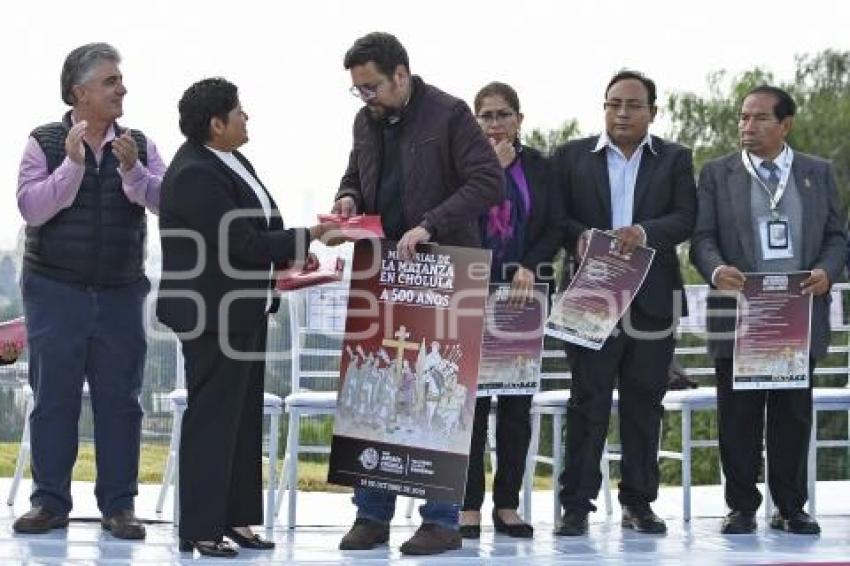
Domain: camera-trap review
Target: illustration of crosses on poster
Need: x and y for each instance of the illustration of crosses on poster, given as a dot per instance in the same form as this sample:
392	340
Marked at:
409	370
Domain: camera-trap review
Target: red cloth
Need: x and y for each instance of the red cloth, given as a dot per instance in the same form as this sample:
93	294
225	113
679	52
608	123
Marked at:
297	277
356	227
14	332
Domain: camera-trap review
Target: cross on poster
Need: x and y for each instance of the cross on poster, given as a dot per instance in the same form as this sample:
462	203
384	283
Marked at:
409	370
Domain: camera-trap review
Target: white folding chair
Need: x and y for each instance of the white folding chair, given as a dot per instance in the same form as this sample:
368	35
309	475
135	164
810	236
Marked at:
687	401
318	311
272	407
25	447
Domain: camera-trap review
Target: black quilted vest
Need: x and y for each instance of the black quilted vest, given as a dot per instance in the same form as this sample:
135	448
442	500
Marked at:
99	240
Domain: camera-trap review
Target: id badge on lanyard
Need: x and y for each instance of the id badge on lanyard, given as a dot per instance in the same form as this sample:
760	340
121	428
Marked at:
775	236
774	229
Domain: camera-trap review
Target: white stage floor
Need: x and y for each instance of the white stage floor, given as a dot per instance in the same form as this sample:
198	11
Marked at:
324	518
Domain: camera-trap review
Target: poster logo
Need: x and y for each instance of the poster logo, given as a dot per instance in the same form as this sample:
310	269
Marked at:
369	458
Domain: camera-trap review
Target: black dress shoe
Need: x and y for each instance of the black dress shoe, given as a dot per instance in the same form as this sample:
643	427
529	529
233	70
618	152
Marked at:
643	520
799	523
124	525
212	548
254	541
39	520
573	524
738	523
469	531
516	530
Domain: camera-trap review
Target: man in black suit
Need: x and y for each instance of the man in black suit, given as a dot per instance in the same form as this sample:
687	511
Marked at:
222	237
738	195
642	188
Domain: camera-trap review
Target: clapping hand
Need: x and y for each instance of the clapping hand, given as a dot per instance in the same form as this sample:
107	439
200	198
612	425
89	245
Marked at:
124	148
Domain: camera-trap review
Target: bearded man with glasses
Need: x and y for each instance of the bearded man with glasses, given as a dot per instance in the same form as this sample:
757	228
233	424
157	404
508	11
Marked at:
420	161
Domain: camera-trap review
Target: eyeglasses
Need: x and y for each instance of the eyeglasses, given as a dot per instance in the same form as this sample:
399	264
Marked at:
491	117
365	92
630	106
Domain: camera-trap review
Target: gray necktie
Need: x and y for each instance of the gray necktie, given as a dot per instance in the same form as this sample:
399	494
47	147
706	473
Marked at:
773	176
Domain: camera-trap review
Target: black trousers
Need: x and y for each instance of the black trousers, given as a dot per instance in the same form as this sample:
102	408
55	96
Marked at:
742	423
513	434
637	361
221	443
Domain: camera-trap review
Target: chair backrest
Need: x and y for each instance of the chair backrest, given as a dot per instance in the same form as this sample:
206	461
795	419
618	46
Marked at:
316	329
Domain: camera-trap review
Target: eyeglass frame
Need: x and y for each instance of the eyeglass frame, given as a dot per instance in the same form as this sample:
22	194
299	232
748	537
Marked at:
630	106
492	117
365	92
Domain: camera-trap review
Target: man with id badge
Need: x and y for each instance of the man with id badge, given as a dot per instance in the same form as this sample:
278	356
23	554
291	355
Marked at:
766	209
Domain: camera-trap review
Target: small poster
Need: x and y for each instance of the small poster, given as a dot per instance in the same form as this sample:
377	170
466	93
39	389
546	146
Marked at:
513	342
772	333
600	293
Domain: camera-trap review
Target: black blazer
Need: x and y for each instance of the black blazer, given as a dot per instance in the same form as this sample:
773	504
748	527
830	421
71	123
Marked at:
204	272
664	205
544	239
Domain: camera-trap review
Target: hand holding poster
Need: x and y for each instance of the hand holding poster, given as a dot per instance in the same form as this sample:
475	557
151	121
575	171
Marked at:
409	370
772	332
603	288
512	347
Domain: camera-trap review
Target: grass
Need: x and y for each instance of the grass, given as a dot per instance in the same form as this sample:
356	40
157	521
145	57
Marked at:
312	476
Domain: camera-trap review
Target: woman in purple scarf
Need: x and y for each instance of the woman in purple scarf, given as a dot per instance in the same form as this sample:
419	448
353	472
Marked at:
522	232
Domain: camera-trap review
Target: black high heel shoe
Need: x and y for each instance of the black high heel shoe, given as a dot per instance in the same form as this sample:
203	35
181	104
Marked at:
518	530
470	531
253	541
212	548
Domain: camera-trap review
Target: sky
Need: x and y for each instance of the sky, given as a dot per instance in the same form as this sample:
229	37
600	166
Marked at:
286	58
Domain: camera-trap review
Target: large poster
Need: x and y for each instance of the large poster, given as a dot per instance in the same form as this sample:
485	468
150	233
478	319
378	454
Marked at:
409	370
513	342
603	288
772	332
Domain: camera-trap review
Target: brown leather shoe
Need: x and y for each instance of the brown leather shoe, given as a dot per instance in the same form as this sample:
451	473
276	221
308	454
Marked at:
365	535
124	524
431	538
39	520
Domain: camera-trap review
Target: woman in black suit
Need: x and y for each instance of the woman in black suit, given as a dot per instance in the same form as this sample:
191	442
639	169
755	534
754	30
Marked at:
222	237
522	232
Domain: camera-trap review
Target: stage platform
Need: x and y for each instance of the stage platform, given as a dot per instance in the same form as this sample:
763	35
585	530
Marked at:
323	518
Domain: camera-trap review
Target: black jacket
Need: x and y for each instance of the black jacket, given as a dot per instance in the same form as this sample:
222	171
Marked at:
544	237
215	263
450	174
664	205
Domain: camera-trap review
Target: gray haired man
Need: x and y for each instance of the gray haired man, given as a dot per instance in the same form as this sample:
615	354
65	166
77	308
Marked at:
83	187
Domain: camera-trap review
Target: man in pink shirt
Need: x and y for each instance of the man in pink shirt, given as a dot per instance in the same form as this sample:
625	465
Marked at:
83	187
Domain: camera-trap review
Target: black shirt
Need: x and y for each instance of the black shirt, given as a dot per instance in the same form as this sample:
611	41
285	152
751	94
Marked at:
390	205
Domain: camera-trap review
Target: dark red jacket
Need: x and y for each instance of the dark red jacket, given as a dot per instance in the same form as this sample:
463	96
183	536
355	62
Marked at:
450	174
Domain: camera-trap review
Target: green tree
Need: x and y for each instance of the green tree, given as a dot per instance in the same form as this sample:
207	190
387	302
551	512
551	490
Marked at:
546	141
821	88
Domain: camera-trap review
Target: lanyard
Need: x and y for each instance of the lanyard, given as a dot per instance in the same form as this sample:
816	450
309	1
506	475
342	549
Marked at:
783	180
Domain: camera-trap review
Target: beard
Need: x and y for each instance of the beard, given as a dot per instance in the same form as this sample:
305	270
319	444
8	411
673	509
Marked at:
377	111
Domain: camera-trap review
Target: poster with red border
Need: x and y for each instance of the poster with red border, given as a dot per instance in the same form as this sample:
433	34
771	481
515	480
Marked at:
409	370
772	332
